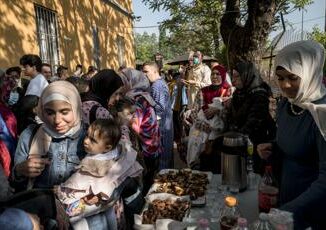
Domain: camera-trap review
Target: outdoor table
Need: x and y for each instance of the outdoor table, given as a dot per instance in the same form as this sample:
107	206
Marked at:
247	203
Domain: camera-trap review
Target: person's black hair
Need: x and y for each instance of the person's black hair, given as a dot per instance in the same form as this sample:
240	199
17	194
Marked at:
108	129
47	65
80	83
176	75
171	72
31	60
91	69
280	68
14	69
124	102
61	68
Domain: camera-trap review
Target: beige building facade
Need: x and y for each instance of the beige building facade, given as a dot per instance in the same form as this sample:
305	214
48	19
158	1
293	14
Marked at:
68	32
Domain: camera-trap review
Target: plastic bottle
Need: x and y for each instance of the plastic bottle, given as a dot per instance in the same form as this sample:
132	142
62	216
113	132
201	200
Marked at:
252	181
268	191
262	223
229	213
203	224
242	224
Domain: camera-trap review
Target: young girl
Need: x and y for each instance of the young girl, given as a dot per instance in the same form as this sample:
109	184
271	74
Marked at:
47	155
106	166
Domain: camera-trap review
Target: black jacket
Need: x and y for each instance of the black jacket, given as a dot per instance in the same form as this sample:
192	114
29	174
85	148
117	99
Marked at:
249	114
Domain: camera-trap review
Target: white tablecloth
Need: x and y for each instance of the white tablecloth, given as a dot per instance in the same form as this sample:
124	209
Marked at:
247	203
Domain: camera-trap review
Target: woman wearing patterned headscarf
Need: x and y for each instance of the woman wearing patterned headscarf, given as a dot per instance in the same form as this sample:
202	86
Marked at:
144	122
300	145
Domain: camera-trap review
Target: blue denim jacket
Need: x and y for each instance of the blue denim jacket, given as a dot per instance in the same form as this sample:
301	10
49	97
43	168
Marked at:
64	155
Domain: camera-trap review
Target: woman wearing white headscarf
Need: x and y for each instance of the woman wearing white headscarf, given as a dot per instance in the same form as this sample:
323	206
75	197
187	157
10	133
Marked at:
47	155
301	134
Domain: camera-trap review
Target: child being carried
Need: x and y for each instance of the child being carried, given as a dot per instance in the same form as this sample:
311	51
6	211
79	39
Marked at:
204	129
88	191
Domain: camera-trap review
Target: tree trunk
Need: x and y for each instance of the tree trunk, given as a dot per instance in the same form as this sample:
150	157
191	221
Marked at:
247	42
216	39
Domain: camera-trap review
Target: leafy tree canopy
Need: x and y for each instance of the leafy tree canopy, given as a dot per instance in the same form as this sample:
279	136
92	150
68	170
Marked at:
320	37
195	24
146	46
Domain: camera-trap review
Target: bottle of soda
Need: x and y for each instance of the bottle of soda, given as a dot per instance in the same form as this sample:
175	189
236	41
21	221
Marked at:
252	180
267	191
262	223
229	214
242	224
203	224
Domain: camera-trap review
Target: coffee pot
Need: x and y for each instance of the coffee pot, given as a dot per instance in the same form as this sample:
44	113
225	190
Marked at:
233	160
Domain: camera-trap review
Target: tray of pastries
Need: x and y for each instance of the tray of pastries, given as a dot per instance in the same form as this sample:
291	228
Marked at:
163	207
184	182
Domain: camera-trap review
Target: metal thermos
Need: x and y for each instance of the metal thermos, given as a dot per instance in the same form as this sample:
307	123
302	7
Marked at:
233	160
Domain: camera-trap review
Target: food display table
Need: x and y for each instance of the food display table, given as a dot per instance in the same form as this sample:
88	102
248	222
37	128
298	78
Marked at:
209	209
247	203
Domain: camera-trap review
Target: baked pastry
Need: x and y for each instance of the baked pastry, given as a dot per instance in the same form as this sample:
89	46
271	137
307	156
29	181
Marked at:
181	183
165	209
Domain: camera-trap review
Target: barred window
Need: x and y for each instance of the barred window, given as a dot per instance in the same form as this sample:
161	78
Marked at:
121	50
47	34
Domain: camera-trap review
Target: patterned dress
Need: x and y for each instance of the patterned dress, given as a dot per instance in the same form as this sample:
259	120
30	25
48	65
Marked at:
101	112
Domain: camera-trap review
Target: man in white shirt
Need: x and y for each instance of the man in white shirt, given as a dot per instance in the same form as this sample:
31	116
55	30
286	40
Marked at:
32	67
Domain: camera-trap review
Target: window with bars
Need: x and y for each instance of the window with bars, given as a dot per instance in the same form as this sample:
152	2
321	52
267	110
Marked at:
121	50
47	33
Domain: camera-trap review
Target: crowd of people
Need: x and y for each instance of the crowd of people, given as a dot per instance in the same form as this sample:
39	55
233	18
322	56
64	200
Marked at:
82	151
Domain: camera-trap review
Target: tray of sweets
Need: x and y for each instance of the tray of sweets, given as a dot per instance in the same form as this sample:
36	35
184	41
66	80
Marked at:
162	207
183	182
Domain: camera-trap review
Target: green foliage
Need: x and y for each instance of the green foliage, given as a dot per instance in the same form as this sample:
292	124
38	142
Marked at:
320	37
146	46
300	4
194	24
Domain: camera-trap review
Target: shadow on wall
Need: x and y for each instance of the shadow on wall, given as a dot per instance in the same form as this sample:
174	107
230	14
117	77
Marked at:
12	37
76	19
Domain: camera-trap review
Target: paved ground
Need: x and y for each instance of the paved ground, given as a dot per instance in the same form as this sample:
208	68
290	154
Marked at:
178	163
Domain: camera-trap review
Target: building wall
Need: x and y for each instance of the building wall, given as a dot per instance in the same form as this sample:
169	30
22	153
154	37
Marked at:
76	20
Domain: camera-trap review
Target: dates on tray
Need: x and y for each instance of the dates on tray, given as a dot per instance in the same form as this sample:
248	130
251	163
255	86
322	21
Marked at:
165	209
181	183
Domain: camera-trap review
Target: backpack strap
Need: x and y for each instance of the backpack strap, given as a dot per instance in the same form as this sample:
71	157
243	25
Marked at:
34	131
92	113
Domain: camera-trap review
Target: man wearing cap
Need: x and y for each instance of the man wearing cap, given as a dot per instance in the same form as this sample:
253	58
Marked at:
199	76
